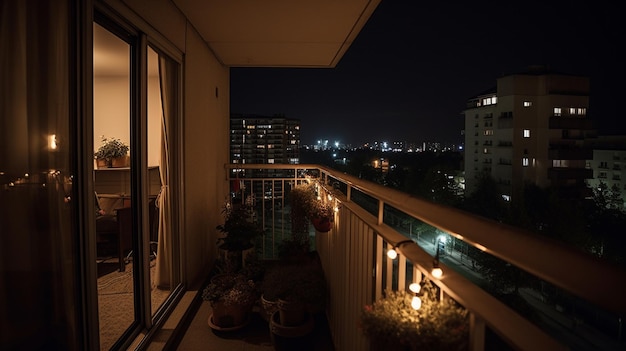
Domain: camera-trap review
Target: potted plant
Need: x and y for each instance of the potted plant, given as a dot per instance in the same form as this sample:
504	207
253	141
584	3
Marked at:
391	322
274	285
112	152
301	199
240	229
231	297
322	215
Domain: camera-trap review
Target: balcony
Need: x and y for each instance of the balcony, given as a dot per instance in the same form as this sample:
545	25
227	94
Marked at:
372	219
564	173
557	122
569	153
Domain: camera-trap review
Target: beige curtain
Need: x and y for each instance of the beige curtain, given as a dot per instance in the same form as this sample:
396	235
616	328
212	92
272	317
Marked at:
167	78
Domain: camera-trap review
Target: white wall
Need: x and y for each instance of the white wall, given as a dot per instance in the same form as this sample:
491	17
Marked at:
112	113
205	125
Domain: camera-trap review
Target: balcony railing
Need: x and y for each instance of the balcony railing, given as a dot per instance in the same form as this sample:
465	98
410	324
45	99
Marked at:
366	225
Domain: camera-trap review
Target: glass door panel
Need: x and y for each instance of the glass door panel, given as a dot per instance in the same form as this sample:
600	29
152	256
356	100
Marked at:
112	184
159	287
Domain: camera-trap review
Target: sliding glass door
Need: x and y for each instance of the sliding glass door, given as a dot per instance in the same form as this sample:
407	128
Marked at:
136	104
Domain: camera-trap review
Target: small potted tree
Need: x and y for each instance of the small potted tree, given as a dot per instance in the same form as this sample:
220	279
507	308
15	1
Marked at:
240	229
112	153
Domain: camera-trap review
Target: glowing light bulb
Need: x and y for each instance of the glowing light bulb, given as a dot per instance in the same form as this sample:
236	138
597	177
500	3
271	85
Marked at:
437	272
416	303
392	254
415	287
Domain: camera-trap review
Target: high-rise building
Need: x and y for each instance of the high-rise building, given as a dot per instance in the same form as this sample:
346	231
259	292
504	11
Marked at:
531	128
264	140
608	165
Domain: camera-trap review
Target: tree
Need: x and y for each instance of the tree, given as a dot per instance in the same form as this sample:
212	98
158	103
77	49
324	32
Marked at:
609	198
485	200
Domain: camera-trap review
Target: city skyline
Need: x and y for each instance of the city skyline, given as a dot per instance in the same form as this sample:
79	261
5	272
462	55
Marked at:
415	65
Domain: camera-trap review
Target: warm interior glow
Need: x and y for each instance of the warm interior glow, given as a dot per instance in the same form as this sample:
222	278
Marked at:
52	142
392	254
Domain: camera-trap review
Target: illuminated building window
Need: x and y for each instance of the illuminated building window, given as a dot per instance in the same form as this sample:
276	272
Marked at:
488	132
560	163
581	111
490	101
557	111
270	160
525	161
528	103
572	110
526	133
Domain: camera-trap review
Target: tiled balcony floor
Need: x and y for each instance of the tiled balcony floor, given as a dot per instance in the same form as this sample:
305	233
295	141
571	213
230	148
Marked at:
253	337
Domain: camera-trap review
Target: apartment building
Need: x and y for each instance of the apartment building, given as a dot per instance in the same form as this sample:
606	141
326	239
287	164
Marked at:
609	164
531	127
264	140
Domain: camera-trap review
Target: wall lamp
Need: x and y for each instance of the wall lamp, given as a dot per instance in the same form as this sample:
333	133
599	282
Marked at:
436	271
393	253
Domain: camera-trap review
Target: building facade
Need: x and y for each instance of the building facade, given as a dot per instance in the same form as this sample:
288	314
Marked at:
609	165
264	140
531	128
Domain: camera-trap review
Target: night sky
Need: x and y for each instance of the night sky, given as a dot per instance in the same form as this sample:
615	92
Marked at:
412	68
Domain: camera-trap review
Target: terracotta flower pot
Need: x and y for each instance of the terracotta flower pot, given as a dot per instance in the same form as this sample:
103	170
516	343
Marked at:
102	163
298	337
291	313
229	316
118	162
322	225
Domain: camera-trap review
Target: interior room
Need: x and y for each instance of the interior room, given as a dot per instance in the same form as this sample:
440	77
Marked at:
112	183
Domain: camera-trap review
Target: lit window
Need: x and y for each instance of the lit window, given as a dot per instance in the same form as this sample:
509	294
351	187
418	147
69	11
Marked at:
528	103
581	111
490	101
525	161
557	111
270	160
526	133
572	110
488	132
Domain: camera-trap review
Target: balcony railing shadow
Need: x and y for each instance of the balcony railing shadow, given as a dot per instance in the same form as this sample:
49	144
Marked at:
372	219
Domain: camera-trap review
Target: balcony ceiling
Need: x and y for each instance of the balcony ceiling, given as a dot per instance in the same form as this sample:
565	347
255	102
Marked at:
278	33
